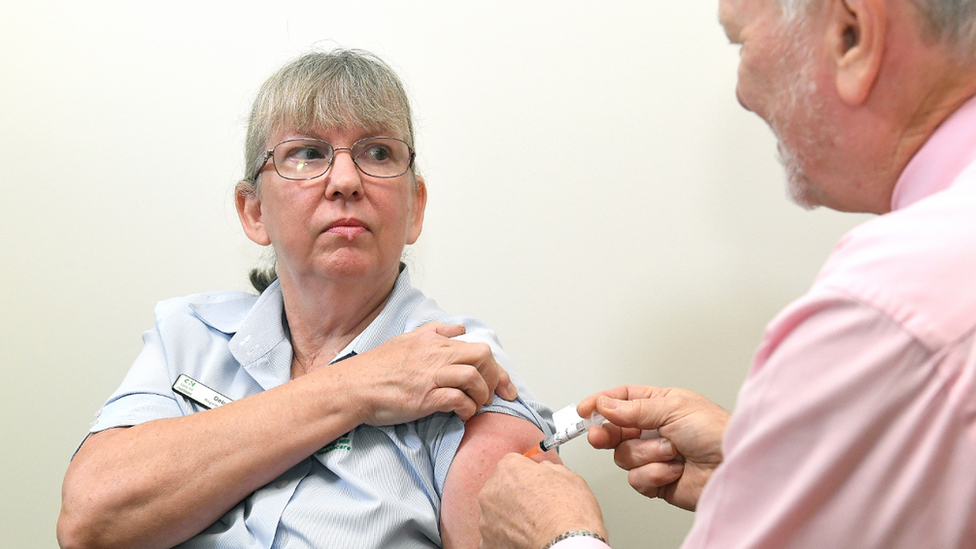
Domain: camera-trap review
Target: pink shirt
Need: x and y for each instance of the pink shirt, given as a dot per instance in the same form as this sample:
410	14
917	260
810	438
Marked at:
856	426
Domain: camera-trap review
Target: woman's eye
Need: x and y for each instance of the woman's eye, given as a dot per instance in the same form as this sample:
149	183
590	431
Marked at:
307	153
377	153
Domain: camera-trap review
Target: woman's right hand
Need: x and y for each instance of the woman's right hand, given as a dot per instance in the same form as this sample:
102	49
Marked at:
425	371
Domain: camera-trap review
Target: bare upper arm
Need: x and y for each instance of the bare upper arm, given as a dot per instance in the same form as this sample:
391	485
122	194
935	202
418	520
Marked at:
487	437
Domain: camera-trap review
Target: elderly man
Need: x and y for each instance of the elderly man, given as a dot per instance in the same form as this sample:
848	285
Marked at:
856	426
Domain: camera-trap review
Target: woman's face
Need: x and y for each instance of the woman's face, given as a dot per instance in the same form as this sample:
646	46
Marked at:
341	225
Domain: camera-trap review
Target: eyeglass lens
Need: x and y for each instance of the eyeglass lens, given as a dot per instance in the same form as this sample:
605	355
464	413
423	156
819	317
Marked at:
310	158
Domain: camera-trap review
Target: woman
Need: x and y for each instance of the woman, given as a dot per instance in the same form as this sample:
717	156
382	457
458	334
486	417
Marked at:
336	409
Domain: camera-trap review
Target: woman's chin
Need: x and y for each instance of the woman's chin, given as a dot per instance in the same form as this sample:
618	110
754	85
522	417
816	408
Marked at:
346	264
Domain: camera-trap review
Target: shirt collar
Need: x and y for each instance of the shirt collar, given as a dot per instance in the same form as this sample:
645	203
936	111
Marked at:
256	324
260	341
392	320
948	151
222	313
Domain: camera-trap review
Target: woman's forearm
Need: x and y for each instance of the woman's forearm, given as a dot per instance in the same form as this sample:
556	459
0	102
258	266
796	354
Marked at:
160	483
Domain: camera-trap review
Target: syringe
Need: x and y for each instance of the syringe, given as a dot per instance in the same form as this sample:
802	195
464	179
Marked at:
567	433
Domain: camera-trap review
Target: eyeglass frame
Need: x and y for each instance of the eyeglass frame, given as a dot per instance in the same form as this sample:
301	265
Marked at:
270	154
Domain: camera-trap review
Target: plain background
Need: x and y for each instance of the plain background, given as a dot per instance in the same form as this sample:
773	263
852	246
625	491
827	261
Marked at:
597	195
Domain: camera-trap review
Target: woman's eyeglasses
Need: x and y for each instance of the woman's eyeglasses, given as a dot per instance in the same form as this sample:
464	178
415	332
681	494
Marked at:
298	159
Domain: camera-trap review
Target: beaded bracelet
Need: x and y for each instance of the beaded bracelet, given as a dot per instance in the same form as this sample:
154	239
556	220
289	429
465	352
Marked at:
573	533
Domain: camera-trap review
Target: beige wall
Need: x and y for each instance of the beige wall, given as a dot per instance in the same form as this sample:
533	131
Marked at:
596	194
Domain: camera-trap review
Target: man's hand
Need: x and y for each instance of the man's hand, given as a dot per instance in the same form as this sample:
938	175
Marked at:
525	505
676	466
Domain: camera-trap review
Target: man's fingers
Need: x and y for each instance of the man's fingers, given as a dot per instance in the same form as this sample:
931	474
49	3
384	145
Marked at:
644	413
609	436
652	479
603	437
635	453
588	405
623	392
507	472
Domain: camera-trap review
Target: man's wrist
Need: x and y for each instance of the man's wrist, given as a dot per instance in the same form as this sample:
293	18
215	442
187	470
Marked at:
574	533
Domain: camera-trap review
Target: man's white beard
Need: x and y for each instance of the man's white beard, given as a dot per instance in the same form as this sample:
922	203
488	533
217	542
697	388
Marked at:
798	185
800	121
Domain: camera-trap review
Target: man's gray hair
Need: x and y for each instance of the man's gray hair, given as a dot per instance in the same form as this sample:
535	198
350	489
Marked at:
327	90
952	22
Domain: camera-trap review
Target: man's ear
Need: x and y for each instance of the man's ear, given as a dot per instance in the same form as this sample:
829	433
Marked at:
856	38
417	214
249	211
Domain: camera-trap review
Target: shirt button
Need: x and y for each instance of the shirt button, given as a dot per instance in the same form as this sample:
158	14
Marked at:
281	484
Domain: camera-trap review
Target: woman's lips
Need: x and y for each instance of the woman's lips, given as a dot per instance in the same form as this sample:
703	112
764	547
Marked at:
348	228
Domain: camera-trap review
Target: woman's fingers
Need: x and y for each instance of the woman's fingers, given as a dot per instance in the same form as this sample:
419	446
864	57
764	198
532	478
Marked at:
465	379
450	399
427	371
479	356
445	330
506	387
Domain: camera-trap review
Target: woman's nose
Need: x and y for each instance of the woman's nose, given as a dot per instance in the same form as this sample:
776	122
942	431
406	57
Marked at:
344	178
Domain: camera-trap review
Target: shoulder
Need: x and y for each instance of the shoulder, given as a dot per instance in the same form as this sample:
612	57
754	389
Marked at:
914	265
413	309
410	309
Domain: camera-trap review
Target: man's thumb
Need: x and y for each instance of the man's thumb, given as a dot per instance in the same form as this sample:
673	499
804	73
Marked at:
642	413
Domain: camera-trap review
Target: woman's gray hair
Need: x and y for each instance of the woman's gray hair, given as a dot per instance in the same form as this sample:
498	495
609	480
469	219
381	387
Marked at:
327	90
951	22
323	90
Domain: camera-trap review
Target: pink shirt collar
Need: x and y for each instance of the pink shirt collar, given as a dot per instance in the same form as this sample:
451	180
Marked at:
950	149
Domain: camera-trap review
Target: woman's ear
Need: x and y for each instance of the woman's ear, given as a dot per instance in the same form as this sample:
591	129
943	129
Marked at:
249	211
417	212
856	36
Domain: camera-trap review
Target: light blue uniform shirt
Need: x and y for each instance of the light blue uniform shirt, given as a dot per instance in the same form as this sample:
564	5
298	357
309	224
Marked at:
373	487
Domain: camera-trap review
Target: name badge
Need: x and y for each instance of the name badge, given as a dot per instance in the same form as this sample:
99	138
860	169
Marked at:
199	393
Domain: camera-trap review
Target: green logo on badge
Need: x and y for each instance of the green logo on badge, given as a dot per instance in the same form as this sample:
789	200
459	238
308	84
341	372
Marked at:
342	443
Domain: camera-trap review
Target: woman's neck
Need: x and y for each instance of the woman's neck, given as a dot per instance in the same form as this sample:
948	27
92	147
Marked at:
325	316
